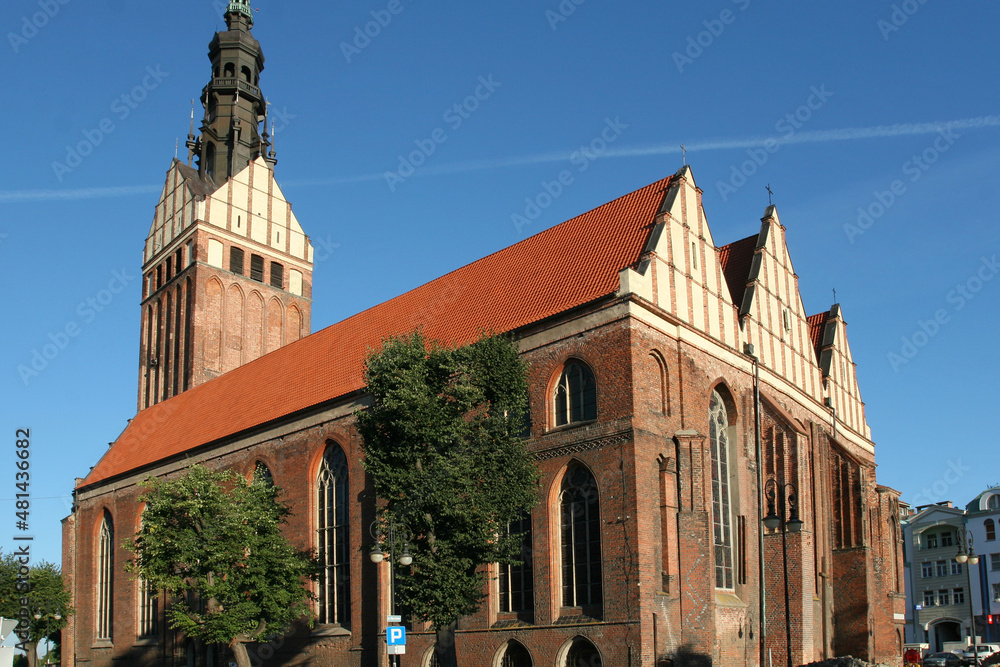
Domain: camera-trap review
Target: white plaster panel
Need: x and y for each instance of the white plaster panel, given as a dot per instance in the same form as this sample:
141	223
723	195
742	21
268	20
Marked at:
681	294
215	253
295	282
217	215
698	306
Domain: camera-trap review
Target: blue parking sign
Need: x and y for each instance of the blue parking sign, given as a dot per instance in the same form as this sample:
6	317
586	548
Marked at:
395	635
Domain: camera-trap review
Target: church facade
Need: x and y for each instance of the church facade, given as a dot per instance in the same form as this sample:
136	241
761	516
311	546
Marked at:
680	394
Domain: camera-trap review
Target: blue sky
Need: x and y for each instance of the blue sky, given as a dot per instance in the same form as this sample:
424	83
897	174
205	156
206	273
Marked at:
891	109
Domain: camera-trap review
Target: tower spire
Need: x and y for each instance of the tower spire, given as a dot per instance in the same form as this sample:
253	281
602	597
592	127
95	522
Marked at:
231	134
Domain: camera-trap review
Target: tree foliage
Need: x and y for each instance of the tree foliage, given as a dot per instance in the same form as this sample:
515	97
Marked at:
444	446
212	541
46	595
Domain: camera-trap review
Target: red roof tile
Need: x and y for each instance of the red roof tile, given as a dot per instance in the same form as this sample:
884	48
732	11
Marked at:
816	325
736	259
565	266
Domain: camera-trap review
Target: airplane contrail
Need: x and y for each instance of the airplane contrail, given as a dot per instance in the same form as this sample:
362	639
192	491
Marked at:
799	137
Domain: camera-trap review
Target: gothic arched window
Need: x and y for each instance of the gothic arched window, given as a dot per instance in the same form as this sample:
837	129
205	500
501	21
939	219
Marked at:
718	429
583	654
516	584
262	474
515	655
105	577
575	395
334	537
581	538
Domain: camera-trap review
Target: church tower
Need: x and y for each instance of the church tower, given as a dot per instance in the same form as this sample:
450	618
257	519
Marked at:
227	269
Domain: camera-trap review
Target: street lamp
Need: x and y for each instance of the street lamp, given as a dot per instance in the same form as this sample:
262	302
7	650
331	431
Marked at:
966	554
391	538
786	496
49	615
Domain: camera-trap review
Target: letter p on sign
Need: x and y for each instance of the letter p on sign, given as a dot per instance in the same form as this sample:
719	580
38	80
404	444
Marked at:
395	635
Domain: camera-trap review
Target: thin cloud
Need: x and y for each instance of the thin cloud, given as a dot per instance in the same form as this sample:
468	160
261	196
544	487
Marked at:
800	137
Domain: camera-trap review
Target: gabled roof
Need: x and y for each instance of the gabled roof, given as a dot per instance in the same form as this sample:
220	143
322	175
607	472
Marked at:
566	266
736	259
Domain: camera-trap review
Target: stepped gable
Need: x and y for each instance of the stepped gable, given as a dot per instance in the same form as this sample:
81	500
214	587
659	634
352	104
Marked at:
566	266
736	260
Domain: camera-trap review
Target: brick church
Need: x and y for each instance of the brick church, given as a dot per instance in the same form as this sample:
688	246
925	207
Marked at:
680	394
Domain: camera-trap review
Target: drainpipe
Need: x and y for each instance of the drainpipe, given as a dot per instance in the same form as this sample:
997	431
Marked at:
748	349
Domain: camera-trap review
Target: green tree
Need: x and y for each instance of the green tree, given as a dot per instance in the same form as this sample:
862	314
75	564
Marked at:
212	542
46	598
444	446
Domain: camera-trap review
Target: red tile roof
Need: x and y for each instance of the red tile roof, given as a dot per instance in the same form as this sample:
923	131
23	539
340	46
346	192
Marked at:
736	259
816	325
560	268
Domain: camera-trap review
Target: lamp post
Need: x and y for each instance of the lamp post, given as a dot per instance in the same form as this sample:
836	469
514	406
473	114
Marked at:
391	538
49	614
966	554
786	496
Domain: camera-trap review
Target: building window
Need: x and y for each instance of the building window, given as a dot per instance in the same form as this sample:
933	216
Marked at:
581	539
958	596
515	655
582	652
277	275
236	260
148	611
262	474
932	541
946	540
105	577
942	568
991	529
993	503
718	428
516	581
576	395
996	591
956	567
257	268
943	599
926	570
334	537
994	562
929	599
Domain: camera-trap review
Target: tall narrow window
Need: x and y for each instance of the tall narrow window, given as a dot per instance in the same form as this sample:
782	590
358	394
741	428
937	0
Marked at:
581	539
148	611
105	577
277	275
257	268
236	260
991	530
993	502
576	395
516	581
334	538
718	429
